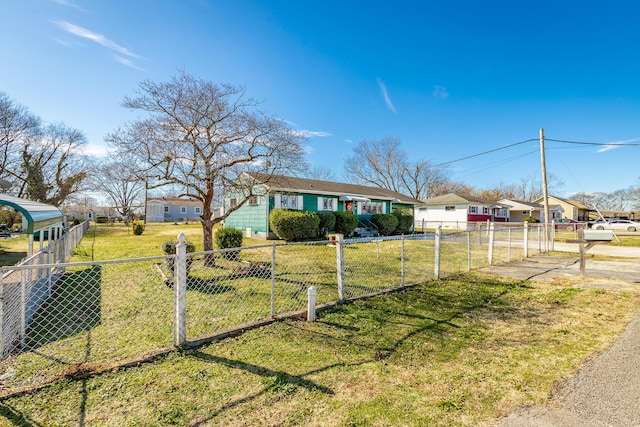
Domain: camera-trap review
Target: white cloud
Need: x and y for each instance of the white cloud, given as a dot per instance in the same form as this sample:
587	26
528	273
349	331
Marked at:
97	150
616	144
440	92
348	141
99	39
69	4
385	95
309	133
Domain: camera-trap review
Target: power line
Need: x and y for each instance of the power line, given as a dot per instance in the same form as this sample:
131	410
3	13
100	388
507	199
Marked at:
486	152
607	144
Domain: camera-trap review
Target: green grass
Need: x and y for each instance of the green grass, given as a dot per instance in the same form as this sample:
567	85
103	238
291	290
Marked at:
462	351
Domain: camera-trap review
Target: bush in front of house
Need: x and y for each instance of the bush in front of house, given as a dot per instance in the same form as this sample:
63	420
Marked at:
327	223
169	248
137	227
226	238
531	219
294	226
405	221
346	223
385	223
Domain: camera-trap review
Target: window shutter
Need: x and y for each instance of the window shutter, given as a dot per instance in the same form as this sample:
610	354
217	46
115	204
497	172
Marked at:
334	204
277	201
299	204
320	204
384	208
359	208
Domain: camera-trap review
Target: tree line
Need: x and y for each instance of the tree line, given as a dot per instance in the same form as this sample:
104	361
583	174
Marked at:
198	139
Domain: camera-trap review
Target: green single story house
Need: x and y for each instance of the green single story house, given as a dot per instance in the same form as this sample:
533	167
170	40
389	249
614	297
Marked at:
286	192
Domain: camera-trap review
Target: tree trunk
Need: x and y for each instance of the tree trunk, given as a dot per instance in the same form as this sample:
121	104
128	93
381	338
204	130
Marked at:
207	240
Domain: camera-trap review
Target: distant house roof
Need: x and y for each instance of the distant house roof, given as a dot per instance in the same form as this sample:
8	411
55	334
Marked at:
573	203
460	199
345	191
521	204
38	215
175	201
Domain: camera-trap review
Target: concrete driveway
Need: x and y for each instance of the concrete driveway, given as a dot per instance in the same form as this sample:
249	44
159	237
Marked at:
606	391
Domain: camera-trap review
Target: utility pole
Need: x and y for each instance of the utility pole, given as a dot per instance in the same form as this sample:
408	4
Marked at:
545	194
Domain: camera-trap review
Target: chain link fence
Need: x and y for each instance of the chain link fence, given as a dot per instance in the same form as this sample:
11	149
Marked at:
57	318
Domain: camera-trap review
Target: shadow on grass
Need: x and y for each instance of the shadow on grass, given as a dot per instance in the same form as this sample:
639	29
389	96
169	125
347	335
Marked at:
15	417
72	308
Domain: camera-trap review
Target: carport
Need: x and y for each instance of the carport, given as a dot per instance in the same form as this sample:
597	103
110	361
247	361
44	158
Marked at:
38	216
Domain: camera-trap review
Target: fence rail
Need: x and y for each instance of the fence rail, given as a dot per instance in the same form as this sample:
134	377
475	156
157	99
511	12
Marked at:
105	312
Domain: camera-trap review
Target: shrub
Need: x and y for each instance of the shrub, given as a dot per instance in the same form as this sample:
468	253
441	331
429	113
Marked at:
228	238
169	248
138	227
531	219
294	226
405	221
385	223
346	223
327	223
10	217
102	219
76	221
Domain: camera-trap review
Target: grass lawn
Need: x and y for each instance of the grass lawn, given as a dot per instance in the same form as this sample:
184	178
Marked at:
461	351
458	352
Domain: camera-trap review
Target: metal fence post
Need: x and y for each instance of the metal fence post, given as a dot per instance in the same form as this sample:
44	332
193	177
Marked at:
180	289
1	316
540	238
526	241
509	244
468	251
273	280
479	230
436	266
402	262
311	304
23	308
340	265
491	239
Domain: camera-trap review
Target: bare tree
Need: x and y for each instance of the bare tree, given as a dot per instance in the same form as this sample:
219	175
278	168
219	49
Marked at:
122	184
384	164
52	167
320	172
17	125
202	137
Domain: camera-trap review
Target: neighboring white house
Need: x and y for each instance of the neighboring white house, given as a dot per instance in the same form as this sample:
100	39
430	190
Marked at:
173	209
519	210
456	211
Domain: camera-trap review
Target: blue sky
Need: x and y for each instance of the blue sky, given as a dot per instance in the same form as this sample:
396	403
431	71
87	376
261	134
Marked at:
450	79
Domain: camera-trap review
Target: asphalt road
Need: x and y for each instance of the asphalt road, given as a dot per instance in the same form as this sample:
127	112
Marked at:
606	390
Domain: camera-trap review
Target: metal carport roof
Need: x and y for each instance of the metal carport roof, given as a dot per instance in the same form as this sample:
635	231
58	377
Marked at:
38	215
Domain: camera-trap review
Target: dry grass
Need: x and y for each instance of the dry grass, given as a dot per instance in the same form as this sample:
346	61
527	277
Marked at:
458	352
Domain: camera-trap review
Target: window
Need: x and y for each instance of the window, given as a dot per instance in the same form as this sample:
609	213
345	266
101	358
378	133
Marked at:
166	209
473	209
254	201
233	203
525	212
198	210
485	210
449	208
183	209
288	201
372	208
327	204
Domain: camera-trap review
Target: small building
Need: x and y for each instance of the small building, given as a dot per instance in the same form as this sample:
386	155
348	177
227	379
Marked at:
173	209
286	192
570	209
520	210
459	211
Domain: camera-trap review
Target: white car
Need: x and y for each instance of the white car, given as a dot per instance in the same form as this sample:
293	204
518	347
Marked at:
617	224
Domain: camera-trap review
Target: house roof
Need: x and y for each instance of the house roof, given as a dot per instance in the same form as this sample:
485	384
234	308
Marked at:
175	201
573	203
521	204
315	186
460	199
